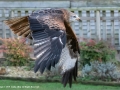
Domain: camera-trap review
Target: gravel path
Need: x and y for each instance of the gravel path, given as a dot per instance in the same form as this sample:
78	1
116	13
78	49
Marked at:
20	72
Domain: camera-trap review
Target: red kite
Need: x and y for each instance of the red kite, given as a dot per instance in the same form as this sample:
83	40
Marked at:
53	39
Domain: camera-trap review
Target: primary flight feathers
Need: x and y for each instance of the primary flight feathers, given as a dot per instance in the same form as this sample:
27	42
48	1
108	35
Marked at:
53	39
19	25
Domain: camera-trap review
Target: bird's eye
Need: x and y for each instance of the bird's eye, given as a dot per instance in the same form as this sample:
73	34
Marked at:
74	16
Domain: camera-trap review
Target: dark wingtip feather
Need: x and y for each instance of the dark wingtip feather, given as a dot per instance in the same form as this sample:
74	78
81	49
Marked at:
68	75
35	69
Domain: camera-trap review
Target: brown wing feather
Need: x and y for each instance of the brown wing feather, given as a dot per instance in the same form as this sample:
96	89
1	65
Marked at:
71	36
19	25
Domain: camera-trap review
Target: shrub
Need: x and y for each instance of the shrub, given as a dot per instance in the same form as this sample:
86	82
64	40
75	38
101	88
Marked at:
92	50
101	71
16	51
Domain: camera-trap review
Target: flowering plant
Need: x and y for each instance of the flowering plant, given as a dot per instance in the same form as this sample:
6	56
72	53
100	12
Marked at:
16	51
92	50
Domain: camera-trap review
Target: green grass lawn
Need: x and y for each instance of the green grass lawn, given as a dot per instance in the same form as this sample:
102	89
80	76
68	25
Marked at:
23	85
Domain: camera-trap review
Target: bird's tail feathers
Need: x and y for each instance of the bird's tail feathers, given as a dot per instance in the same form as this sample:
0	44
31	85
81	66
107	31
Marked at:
69	75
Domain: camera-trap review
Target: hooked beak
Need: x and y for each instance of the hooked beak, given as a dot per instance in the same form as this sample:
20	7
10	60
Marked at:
78	19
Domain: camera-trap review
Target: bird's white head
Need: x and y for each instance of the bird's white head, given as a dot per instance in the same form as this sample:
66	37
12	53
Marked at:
74	17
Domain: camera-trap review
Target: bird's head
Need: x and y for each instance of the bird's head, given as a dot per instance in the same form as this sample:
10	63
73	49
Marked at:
73	17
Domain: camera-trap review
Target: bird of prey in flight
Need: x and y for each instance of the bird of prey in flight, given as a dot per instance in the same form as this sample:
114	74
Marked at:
53	38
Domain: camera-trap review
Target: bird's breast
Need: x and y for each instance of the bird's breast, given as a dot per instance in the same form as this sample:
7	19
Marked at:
66	62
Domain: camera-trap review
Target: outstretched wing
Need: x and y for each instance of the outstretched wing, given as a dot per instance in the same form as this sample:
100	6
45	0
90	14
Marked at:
49	38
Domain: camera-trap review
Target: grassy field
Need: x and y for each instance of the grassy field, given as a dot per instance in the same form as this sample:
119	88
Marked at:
23	85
